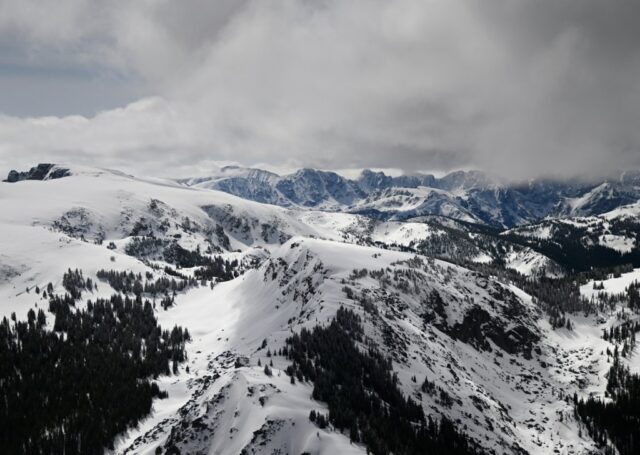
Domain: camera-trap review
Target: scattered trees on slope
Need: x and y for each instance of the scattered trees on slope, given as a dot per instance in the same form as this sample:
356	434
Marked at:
615	423
362	392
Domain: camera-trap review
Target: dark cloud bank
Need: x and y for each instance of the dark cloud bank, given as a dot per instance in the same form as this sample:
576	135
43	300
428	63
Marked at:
517	87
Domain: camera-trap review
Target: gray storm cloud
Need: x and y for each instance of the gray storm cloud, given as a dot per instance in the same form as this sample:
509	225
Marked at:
517	87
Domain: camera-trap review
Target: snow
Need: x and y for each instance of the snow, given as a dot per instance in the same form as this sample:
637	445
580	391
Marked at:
576	205
618	242
404	203
626	211
224	319
613	230
614	286
611	285
529	262
39	256
237	316
305	262
542	231
483	258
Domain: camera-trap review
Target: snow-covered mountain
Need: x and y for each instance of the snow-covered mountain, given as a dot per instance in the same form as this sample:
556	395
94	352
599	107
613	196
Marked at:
583	242
466	195
461	339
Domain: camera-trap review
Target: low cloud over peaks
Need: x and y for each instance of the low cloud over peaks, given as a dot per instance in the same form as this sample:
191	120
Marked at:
520	88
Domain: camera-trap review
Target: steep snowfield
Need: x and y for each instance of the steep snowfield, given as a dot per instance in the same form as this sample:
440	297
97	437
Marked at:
529	262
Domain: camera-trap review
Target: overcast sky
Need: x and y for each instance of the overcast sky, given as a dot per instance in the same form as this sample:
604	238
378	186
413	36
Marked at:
518	87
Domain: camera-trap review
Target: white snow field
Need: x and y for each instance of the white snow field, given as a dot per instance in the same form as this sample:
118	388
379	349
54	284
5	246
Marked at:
507	387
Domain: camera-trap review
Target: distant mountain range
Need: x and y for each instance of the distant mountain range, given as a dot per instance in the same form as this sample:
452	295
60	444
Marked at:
471	196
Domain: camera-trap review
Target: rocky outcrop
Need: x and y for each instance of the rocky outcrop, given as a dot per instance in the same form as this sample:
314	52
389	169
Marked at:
43	171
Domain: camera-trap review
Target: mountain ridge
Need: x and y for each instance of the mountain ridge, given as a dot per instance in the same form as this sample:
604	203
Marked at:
473	195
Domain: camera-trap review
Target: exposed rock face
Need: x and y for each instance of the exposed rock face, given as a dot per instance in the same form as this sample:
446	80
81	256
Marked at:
478	327
464	195
43	171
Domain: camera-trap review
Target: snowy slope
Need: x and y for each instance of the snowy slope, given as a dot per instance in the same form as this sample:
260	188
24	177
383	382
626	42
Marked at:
96	206
617	230
496	366
618	315
504	398
529	262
